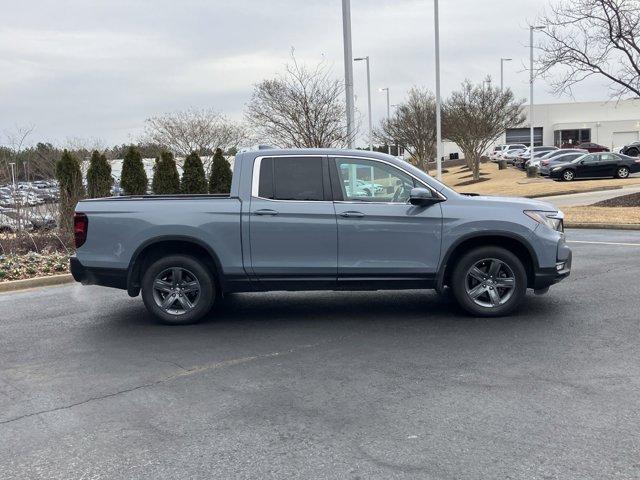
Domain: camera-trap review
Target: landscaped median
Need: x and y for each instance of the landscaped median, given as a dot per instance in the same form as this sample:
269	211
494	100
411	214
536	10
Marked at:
17	269
622	212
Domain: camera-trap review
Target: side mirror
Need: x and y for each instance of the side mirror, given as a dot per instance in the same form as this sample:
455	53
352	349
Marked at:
422	196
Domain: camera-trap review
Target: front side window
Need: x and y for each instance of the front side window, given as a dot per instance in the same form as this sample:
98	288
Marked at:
291	178
371	181
590	159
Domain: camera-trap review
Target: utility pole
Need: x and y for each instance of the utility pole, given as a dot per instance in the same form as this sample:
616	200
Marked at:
386	89
438	97
502	60
366	59
348	69
531	29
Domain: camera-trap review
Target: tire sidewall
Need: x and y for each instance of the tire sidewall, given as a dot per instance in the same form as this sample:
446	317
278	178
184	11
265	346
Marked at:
621	169
207	289
458	280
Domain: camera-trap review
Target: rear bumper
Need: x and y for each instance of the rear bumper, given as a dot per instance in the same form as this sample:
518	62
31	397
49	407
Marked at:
106	277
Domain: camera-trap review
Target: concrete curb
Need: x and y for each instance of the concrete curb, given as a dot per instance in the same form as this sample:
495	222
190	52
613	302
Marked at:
604	226
15	285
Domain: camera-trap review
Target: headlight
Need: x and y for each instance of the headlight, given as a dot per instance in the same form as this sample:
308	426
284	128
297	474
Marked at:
556	169
553	220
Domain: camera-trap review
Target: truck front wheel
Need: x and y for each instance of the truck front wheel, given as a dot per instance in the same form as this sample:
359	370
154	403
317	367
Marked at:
178	289
489	282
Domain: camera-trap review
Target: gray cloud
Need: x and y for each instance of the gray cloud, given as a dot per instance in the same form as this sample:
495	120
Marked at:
98	69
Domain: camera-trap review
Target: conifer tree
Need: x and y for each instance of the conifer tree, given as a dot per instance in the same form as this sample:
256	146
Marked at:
69	176
99	179
193	177
166	180
220	178
133	179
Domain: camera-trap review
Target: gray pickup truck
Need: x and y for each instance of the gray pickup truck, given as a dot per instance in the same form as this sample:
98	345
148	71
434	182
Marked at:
320	220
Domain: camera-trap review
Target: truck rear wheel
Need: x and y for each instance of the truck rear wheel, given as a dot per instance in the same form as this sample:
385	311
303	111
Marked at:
489	282
178	289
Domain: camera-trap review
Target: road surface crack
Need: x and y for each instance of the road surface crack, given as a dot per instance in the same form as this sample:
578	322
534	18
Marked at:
185	372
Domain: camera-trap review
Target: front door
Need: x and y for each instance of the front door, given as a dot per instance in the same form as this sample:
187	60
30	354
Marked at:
592	166
292	226
380	234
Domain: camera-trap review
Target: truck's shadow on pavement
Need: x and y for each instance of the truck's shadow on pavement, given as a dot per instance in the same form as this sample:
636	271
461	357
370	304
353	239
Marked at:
329	308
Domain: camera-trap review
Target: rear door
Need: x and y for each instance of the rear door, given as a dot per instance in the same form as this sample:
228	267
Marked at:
381	236
293	231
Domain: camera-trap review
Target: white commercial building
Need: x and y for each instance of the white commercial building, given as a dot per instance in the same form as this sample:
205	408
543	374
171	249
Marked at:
609	123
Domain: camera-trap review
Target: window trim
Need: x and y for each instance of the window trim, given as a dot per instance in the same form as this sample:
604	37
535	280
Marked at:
255	181
255	187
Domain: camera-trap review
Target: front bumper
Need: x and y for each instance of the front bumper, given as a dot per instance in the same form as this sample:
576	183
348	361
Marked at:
106	277
545	277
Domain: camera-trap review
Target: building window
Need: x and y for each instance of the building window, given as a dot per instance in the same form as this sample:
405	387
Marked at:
523	136
571	138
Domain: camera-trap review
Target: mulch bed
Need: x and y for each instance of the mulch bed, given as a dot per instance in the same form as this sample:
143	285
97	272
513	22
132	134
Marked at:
631	200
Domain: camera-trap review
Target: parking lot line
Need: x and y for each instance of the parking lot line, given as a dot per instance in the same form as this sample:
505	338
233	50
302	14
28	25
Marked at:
605	243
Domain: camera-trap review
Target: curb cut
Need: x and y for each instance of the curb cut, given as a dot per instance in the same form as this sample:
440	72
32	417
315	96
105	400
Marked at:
605	226
15	285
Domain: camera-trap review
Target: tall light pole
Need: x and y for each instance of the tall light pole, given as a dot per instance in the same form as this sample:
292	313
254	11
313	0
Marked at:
366	59
531	29
438	97
348	69
13	175
386	89
502	60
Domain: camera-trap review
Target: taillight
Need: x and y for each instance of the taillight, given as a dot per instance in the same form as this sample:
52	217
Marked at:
80	227
545	162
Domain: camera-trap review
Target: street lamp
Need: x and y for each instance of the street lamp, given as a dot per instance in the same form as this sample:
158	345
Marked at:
531	29
366	59
438	98
386	89
502	60
348	69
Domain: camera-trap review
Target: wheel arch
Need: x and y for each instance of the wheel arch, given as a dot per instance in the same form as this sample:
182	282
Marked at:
167	245
516	244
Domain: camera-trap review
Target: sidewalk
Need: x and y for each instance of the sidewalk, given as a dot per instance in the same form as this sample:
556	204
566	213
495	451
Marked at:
589	198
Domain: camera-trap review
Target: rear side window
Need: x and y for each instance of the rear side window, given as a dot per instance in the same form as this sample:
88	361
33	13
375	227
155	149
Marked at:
291	178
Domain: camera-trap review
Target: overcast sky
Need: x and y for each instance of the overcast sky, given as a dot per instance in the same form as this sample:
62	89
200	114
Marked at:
96	69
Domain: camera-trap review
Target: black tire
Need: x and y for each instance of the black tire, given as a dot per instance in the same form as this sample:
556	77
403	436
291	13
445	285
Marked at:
622	172
633	152
463	282
190	274
567	175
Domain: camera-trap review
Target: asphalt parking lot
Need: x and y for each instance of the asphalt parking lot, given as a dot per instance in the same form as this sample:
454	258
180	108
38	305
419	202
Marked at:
329	385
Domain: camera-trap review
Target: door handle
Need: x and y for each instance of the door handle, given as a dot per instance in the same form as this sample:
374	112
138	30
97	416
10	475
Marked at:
352	214
266	211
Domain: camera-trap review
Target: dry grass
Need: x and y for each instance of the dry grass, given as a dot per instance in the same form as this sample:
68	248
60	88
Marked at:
612	215
513	182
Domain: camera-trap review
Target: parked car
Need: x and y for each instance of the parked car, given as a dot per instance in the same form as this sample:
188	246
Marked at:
632	150
547	164
596	165
289	223
526	155
539	158
38	220
10	225
512	155
496	156
593	147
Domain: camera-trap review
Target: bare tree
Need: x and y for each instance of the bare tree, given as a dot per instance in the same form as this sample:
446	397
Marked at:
475	116
587	38
303	108
413	127
194	130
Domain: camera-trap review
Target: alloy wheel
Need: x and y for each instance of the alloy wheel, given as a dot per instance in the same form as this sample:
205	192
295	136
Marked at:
176	290
490	282
568	175
623	172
